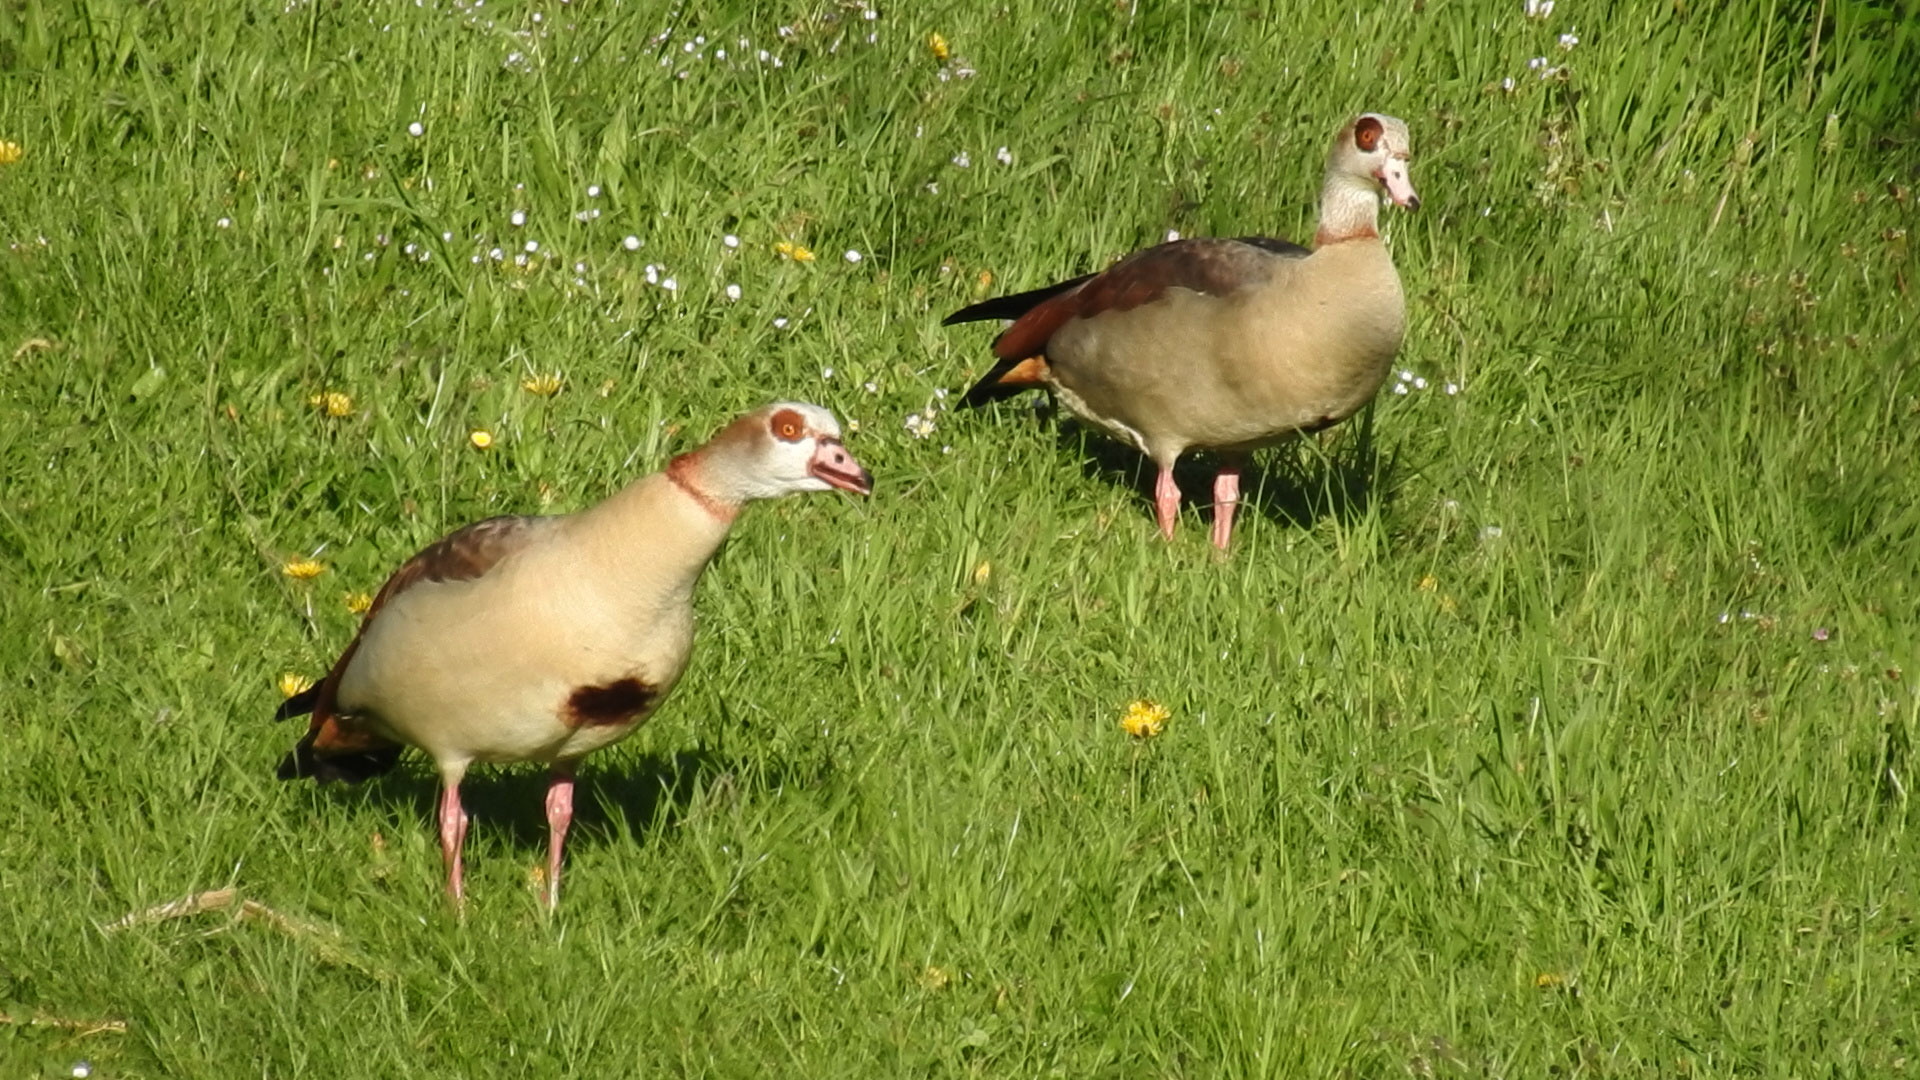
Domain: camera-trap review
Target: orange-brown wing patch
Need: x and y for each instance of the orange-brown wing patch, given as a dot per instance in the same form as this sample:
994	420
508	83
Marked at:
1209	266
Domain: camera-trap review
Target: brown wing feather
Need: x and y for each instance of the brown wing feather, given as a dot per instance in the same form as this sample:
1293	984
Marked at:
336	747
1216	267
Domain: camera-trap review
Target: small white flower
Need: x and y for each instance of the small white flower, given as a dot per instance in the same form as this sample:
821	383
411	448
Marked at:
224	223
1399	388
1419	384
631	243
82	1069
871	387
1004	156
1172	235
1536	63
1405	375
961	160
410	247
579	268
517	218
593	191
733	292
670	285
730	240
780	323
933	187
653	274
446	237
852	256
1539	9
519	260
1490	532
416	129
496	255
1453	388
826	373
1507	84
919	424
1568	41
533	246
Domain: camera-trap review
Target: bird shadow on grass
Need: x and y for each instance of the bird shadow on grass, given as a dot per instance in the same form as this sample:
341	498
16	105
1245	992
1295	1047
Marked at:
1294	484
634	795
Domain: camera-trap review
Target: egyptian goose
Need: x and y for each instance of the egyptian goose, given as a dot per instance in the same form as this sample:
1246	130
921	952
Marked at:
1223	345
547	638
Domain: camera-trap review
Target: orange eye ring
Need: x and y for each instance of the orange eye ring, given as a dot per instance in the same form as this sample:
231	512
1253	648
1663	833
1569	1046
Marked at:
1366	134
788	426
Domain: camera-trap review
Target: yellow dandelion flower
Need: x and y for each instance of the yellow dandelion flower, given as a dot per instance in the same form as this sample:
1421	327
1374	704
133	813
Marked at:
1145	719
787	249
332	402
783	248
938	46
543	385
1550	980
936	978
1429	583
983	572
801	254
358	602
302	569
985	280
10	152
481	438
292	682
1447	604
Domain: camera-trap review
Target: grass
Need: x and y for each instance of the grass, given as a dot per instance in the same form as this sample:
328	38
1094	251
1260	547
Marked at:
1562	725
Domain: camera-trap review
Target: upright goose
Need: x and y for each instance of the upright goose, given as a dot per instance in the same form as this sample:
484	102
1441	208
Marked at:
1223	345
547	638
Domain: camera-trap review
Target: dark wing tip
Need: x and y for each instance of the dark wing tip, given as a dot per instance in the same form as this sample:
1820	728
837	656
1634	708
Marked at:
301	763
1013	305
299	704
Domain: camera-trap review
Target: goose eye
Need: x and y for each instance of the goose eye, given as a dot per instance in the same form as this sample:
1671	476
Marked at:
788	426
1366	134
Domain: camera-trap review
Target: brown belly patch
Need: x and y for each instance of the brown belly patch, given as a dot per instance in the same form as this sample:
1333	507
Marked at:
619	702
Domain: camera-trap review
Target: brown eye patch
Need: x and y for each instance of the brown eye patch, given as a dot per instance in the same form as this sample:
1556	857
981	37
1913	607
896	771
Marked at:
1366	134
788	426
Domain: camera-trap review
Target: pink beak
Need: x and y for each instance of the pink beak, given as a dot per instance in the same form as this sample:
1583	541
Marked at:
832	463
1393	175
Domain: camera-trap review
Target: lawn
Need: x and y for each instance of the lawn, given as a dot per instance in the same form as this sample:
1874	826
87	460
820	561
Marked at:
1556	717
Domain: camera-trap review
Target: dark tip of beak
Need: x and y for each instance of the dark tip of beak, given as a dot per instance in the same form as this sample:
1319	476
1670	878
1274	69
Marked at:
1413	202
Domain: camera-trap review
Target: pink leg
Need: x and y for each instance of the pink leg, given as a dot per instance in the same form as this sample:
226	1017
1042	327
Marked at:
559	816
453	834
1226	493
1166	501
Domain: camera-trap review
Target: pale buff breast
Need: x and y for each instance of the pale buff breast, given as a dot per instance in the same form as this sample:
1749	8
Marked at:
1191	371
489	669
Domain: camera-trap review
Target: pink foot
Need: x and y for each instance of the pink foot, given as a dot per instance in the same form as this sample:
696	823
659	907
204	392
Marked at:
453	835
559	816
1226	494
1166	501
